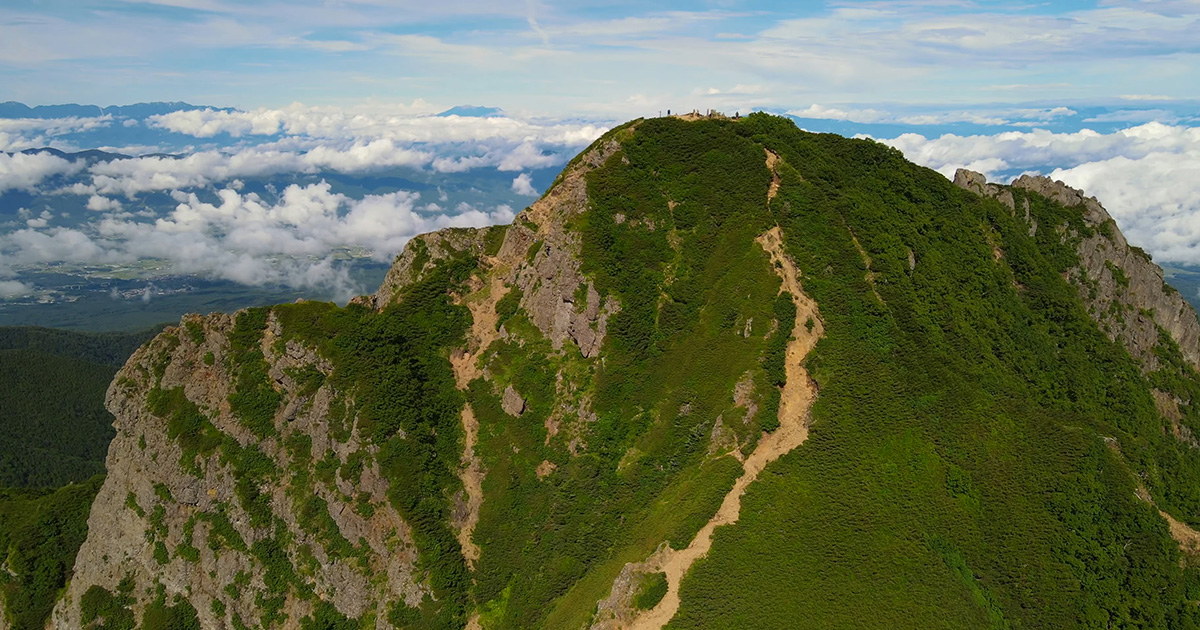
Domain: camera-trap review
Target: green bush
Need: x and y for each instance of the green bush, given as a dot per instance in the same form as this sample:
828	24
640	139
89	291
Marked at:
651	591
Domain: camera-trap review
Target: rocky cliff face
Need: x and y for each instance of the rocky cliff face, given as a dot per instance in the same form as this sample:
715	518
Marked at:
197	505
1123	289
264	521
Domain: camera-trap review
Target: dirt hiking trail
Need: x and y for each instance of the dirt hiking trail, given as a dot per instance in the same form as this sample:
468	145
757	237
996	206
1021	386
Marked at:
797	398
483	332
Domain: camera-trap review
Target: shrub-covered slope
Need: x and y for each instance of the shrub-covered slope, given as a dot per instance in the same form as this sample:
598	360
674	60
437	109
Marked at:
546	424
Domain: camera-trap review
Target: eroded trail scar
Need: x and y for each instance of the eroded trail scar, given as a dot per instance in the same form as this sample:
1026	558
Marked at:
798	395
466	368
773	165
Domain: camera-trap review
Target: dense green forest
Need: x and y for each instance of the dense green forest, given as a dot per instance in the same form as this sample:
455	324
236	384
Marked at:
54	428
54	435
40	532
108	348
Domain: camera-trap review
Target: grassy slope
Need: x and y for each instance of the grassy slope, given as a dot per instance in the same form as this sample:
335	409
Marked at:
955	476
552	548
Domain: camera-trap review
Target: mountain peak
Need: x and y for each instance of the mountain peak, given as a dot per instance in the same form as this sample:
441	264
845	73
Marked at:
844	382
473	111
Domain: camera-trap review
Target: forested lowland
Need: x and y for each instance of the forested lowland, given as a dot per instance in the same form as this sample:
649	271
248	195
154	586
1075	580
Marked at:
932	398
108	348
54	428
40	533
54	434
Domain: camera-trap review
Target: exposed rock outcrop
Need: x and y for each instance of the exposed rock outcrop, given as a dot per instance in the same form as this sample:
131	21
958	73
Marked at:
162	520
1124	290
512	403
550	279
175	517
421	253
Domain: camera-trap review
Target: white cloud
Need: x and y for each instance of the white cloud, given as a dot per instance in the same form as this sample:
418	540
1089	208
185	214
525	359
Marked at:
349	140
1155	199
1041	150
41	221
13	288
527	155
522	185
988	116
96	203
401	124
832	113
1136	116
247	239
954	117
54	126
137	175
19	134
25	171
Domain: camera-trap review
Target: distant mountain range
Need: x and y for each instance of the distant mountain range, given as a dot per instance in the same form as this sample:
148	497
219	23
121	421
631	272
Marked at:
13	109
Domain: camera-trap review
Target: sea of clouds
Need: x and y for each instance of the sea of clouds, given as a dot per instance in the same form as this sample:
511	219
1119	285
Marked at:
1147	174
213	226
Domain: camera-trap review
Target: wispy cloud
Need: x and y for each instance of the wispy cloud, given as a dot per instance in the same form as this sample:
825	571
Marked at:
595	57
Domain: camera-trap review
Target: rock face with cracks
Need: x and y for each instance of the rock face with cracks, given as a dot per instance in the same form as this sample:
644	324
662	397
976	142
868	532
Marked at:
155	499
185	528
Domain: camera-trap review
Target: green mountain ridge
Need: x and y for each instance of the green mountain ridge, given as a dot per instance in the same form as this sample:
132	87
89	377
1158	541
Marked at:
885	399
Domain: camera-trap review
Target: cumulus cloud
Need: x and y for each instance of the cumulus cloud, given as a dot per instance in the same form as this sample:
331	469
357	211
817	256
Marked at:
403	127
96	203
1040	150
1155	199
247	239
301	139
256	234
19	134
132	176
1148	177
25	171
523	185
13	288
41	221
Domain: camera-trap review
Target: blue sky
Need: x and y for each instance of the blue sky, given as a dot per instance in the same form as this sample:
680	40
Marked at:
1104	95
609	59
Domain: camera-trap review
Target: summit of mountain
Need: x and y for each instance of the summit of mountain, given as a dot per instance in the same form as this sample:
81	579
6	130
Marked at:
723	374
